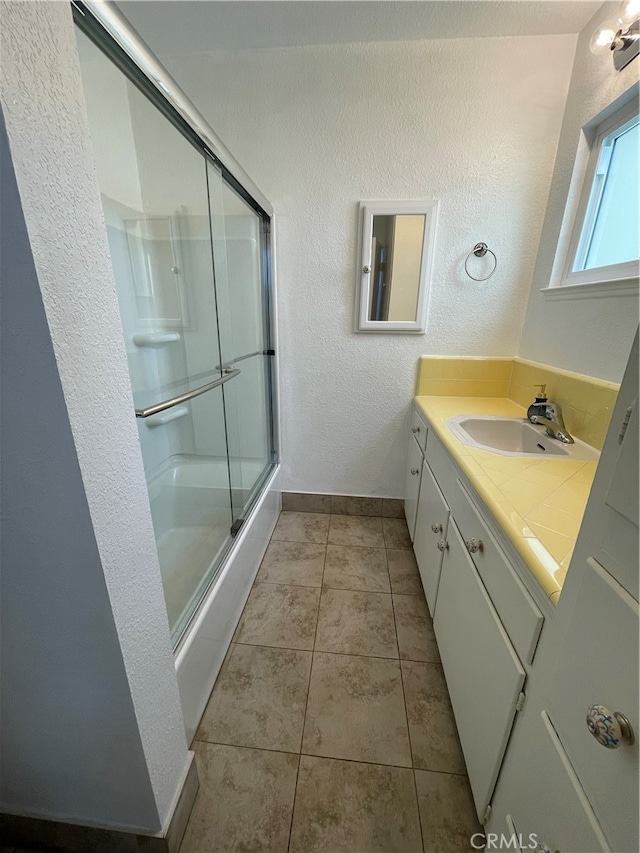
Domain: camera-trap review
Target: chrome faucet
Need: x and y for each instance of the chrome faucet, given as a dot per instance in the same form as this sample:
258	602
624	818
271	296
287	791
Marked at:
554	422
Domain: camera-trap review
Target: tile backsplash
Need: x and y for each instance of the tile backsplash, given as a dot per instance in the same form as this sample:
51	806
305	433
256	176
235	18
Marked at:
450	376
587	403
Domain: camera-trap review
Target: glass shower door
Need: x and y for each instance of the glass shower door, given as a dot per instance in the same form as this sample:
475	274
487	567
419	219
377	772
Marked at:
156	204
239	247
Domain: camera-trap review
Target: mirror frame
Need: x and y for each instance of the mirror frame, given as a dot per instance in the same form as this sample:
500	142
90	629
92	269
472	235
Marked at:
366	211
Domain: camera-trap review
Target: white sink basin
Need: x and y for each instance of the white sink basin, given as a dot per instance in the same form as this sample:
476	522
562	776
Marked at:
515	437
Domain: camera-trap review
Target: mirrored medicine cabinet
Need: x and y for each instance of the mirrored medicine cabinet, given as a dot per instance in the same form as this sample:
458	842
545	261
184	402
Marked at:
395	264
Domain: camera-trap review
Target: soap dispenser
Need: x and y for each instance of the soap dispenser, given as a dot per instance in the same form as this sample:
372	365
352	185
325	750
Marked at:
539	407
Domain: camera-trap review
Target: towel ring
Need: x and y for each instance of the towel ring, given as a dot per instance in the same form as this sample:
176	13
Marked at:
480	250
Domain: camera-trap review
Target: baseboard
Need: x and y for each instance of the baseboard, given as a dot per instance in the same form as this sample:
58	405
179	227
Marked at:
56	837
342	504
182	809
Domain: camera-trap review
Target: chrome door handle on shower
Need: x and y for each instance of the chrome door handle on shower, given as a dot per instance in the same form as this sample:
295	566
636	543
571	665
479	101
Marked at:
188	395
242	358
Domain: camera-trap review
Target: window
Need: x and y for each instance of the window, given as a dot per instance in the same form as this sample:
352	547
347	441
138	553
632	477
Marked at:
605	244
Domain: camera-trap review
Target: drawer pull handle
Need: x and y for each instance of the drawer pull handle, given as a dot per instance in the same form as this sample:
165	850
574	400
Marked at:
415	471
609	729
414	430
443	546
474	545
437	528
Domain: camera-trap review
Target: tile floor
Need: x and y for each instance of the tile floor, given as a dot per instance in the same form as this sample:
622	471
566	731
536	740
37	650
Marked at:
329	727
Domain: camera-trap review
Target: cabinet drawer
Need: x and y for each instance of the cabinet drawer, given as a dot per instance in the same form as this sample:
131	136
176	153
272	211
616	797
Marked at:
419	429
483	673
517	610
441	465
549	806
597	664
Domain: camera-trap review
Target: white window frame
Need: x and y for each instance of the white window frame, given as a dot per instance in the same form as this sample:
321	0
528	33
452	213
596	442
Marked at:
612	273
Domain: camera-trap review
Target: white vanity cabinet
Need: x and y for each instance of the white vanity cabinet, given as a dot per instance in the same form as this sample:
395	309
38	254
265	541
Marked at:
486	624
482	670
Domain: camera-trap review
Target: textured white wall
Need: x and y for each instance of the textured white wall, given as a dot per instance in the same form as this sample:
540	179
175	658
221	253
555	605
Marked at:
473	122
59	642
592	335
47	127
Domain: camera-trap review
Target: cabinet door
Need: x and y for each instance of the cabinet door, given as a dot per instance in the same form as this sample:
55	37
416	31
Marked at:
549	807
598	665
483	673
432	521
412	484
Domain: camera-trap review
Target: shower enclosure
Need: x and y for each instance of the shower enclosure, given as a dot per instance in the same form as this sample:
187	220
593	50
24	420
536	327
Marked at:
190	254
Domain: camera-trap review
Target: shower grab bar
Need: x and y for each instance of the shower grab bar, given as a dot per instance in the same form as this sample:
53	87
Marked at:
242	357
189	395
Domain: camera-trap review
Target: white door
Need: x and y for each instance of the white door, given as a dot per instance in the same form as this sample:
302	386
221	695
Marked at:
598	665
551	790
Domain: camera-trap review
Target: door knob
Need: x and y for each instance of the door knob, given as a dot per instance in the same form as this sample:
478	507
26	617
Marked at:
437	528
474	545
609	729
414	430
443	546
415	471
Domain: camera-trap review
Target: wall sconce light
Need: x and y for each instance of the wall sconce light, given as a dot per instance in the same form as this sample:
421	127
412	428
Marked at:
620	35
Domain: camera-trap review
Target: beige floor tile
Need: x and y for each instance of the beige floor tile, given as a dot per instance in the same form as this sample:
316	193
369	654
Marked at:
434	739
259	699
356	623
279	615
403	572
347	505
353	567
302	527
416	640
356	710
294	563
356	530
447	813
396	533
392	508
244	802
359	808
304	502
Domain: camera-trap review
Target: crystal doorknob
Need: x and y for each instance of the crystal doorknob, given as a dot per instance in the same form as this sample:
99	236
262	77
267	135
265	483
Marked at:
609	729
474	545
415	471
442	545
437	528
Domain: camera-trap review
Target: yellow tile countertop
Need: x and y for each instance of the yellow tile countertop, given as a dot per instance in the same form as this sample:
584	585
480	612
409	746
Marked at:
539	503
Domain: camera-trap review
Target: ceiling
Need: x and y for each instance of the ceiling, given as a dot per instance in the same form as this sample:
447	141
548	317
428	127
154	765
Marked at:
184	27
